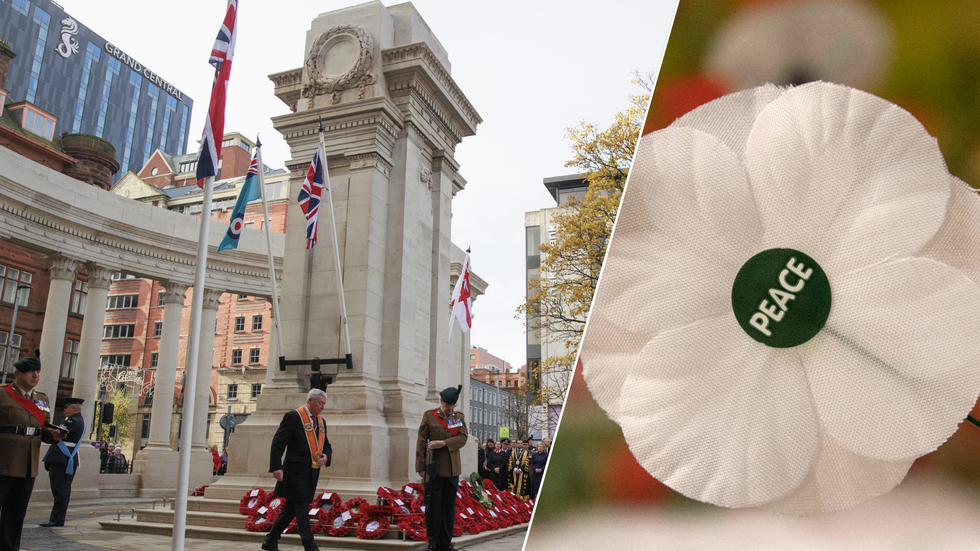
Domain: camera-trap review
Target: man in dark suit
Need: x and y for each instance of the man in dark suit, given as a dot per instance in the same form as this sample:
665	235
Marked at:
61	461
302	436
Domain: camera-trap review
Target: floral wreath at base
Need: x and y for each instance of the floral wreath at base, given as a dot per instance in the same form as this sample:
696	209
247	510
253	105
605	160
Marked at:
252	500
261	520
417	505
413	526
488	485
199	491
275	503
327	501
338	522
412	490
355	505
373	526
457	529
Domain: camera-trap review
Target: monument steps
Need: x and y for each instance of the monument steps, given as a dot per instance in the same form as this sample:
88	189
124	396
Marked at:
219	519
213	525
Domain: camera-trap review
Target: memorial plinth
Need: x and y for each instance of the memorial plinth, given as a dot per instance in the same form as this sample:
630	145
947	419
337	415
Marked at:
380	82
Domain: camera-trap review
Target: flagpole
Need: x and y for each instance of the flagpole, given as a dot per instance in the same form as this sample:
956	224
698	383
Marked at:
190	372
268	240
336	248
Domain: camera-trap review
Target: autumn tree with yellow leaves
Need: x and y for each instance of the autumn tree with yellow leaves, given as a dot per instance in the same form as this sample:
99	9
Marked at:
559	299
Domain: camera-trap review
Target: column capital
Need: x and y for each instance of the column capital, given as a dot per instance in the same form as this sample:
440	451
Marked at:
212	299
62	267
174	292
99	277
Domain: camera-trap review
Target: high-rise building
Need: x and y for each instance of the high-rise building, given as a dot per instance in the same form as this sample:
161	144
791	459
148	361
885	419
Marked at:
89	85
538	229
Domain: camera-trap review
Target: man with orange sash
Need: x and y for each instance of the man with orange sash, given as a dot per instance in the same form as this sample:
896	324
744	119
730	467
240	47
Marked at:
23	413
443	431
302	436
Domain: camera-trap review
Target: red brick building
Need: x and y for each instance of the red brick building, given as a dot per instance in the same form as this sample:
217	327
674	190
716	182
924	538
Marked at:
487	368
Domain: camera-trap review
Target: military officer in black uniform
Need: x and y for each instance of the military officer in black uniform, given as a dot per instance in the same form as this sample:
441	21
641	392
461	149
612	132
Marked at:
23	414
61	461
443	431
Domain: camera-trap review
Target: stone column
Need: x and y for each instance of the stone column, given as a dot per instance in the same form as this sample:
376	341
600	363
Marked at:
157	462
205	361
86	384
161	416
55	320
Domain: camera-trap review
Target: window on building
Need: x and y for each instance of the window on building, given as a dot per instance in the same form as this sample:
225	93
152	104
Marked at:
232	392
14	351
244	146
239	324
154	359
118	331
229	141
119	276
115	360
236	356
148	398
242	297
253	356
188	167
273	191
23	6
158	329
249	225
472	356
122	302
161	298
256	390
256	323
145	429
78	296
12	277
71	359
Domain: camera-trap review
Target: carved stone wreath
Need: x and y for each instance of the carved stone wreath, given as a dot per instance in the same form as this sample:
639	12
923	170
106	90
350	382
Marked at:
326	80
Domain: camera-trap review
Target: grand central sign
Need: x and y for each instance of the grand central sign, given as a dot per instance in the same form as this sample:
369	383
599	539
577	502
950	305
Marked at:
139	68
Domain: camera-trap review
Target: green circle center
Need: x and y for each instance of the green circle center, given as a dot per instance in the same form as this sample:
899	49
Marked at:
781	298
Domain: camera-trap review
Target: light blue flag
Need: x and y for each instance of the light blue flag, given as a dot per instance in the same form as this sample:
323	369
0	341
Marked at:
250	192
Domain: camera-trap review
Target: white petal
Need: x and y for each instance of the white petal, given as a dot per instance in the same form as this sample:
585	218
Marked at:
844	176
730	118
686	225
607	352
957	243
718	416
841	479
894	371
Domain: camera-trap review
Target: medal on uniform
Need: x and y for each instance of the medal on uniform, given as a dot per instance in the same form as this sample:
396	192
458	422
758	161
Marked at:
316	459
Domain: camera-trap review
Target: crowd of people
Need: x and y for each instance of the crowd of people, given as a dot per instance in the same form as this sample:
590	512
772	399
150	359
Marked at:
517	466
113	460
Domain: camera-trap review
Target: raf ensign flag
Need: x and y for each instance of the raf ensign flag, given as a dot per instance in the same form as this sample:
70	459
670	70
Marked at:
249	192
214	123
309	196
461	303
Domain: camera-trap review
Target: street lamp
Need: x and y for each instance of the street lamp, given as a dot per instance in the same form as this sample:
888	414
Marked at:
13	325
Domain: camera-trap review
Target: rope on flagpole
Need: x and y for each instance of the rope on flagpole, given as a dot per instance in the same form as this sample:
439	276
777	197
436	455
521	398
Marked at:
268	240
336	248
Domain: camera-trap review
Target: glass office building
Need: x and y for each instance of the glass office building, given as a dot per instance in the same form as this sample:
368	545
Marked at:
90	84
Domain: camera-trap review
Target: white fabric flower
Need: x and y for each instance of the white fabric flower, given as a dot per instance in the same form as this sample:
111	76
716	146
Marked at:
858	186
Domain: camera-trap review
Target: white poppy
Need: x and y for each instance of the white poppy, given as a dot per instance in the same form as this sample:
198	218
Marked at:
789	307
797	42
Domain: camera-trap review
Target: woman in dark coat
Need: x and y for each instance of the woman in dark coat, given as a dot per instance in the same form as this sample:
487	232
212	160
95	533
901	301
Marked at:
497	465
538	460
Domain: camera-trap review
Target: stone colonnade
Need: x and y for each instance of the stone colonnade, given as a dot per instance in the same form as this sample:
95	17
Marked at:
77	226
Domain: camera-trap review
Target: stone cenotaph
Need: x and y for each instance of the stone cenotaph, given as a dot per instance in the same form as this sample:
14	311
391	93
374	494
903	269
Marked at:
380	81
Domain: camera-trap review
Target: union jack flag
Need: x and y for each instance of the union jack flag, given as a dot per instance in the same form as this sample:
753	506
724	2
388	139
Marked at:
214	124
309	196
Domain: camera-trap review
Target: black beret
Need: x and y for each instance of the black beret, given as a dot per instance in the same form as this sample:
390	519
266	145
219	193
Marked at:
27	365
70	401
451	395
